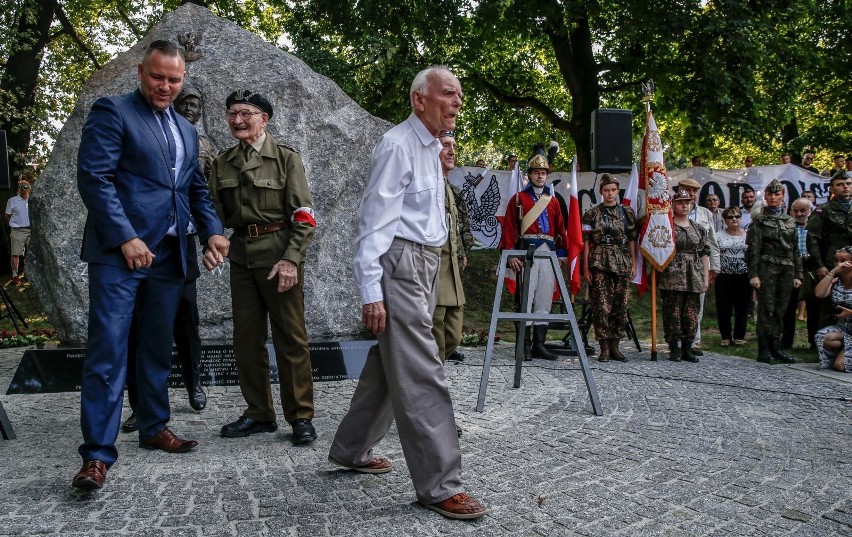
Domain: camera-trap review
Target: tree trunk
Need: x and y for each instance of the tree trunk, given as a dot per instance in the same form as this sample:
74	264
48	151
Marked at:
20	77
573	49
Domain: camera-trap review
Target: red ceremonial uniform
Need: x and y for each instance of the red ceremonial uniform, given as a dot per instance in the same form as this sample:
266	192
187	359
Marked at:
512	223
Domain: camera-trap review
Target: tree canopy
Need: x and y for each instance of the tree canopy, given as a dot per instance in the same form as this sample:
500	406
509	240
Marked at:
733	77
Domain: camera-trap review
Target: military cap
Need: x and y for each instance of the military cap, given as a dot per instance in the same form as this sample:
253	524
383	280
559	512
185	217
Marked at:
538	162
774	186
683	195
248	97
189	91
688	183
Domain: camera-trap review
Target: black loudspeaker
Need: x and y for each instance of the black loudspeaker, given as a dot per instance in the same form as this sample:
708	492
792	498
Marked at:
612	140
4	161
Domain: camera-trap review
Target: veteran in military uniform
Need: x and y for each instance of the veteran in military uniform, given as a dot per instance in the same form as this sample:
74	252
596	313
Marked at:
829	229
260	191
609	262
448	318
774	269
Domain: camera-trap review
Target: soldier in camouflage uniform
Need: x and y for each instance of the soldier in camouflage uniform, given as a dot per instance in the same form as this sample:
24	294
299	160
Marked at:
447	320
684	279
609	262
774	269
829	229
260	190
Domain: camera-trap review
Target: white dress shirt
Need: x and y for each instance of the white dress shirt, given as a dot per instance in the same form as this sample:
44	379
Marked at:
19	210
404	198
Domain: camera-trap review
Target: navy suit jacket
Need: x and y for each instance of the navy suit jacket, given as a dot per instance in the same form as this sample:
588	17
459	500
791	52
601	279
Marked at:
124	178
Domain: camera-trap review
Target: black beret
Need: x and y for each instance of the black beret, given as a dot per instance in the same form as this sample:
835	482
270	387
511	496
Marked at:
248	97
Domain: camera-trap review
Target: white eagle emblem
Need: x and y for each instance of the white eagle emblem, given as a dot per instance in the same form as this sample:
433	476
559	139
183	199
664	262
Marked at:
658	187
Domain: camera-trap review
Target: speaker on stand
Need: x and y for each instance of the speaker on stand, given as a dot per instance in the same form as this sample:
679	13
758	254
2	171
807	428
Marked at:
612	140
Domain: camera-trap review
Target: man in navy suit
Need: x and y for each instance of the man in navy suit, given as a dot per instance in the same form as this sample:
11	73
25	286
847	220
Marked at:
138	175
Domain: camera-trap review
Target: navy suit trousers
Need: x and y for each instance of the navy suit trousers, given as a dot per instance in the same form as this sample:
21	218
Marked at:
114	292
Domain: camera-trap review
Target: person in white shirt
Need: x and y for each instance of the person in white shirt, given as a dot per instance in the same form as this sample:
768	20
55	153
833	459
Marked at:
18	217
398	250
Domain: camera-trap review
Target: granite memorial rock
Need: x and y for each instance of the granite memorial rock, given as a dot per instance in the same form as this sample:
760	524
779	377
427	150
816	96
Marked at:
312	114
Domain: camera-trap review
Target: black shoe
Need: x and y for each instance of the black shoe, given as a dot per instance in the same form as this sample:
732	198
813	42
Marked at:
303	431
129	425
696	351
247	426
197	397
456	356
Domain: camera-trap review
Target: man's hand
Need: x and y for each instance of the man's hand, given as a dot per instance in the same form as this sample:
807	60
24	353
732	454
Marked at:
288	274
797	283
516	264
374	316
137	254
217	250
755	282
464	262
821	272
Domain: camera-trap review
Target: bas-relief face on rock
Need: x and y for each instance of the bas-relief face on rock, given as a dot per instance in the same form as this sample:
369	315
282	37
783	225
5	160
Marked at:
190	108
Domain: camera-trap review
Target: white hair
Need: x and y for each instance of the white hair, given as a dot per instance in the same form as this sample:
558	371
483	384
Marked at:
420	84
802	201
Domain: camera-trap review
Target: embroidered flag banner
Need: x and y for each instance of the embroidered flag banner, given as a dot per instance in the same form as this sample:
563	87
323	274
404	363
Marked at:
656	240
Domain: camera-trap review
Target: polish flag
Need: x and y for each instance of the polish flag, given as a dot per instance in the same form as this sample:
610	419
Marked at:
575	233
632	199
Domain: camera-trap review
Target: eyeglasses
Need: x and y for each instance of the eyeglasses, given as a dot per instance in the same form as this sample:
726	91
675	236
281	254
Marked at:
245	115
732	217
24	187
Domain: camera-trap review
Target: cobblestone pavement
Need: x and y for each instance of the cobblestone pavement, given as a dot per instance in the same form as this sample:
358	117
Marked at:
724	447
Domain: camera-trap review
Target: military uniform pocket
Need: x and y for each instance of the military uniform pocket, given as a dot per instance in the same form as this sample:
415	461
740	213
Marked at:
269	193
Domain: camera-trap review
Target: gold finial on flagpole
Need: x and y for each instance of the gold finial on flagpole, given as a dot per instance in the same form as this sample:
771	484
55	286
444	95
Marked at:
648	93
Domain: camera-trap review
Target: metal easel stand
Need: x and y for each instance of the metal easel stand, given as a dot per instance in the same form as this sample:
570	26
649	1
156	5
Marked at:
521	317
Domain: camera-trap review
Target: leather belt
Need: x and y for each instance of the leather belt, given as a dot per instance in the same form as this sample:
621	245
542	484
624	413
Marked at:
256	230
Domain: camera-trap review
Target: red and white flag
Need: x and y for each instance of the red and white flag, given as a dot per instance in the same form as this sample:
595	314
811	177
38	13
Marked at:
575	233
515	185
633	199
657	239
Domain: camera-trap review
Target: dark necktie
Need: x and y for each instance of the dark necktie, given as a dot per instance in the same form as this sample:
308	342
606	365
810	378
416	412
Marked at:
170	139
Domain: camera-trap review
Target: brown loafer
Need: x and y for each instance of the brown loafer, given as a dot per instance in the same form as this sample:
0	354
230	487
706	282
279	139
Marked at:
168	442
377	465
460	506
91	476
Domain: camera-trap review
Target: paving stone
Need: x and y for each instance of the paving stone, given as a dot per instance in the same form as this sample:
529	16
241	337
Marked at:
726	448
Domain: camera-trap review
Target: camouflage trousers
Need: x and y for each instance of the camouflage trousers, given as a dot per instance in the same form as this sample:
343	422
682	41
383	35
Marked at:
680	314
776	285
608	298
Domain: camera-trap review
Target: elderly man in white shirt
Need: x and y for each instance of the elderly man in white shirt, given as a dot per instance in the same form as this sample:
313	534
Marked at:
396	264
704	218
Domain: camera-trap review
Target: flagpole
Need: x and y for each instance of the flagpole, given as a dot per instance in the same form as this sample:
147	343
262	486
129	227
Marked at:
648	89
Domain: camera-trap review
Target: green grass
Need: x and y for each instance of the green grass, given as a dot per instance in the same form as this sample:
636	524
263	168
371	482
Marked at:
480	278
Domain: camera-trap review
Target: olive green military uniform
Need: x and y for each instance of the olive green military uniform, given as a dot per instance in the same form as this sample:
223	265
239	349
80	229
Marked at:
829	229
448	317
267	188
773	256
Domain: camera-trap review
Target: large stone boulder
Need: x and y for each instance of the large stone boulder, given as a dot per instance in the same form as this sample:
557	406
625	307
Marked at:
312	114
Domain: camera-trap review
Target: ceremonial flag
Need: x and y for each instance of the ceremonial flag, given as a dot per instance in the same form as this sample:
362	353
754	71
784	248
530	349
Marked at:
631	199
515	186
575	232
657	239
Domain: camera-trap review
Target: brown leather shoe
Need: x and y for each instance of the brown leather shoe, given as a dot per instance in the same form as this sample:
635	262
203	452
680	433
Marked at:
169	442
91	476
377	465
460	506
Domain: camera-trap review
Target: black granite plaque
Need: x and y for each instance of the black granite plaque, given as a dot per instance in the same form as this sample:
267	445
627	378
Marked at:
60	370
